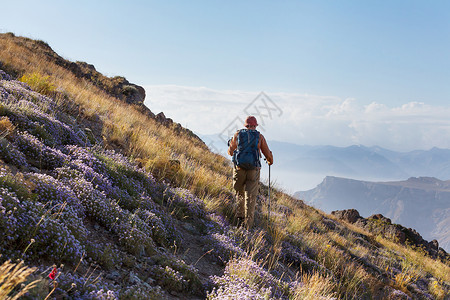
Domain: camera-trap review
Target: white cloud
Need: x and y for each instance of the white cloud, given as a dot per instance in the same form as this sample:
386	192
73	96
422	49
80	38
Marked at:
306	119
375	108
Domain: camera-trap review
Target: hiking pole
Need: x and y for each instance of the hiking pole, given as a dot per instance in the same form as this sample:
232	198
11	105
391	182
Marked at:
268	202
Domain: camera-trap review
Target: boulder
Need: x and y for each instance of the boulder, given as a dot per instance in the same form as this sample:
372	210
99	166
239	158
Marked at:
381	218
395	232
348	215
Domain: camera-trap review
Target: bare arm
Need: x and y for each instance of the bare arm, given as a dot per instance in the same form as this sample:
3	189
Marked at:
233	144
265	150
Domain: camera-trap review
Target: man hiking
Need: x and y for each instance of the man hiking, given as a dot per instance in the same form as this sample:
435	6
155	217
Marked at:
246	147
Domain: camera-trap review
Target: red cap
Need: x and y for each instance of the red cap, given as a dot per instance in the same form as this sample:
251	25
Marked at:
250	121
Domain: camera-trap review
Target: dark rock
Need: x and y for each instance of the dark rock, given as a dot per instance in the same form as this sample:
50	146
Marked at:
161	118
444	256
189	227
134	94
434	244
396	233
381	218
145	110
361	223
117	86
413	236
348	215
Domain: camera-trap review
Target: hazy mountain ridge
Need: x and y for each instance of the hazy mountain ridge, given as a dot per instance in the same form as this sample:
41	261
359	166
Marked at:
420	203
302	167
359	161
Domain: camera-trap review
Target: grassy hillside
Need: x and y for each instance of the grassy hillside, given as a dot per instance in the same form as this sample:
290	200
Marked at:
102	201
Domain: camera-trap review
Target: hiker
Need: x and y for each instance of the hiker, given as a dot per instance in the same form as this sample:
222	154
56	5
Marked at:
246	146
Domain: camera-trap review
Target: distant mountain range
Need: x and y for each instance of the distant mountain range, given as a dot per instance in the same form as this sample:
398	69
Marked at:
302	167
420	203
362	162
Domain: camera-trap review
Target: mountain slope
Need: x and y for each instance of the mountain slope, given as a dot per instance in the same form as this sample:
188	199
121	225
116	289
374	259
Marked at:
108	203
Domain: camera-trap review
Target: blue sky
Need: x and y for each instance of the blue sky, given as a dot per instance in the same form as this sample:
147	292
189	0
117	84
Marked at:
359	55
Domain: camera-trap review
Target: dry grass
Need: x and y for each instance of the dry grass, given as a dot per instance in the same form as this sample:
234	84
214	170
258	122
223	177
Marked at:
11	276
315	286
6	127
437	290
123	126
417	261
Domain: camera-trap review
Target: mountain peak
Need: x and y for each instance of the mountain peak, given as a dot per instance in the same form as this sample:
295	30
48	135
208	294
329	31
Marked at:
424	179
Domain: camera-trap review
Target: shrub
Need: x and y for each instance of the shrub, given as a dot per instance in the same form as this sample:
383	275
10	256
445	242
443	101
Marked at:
129	90
143	291
245	279
185	204
174	274
134	240
221	247
104	254
39	154
10	154
6	127
16	184
73	286
39	83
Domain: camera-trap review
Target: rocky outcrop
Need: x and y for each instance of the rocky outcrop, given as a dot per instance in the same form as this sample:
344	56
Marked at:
422	203
117	87
349	215
380	225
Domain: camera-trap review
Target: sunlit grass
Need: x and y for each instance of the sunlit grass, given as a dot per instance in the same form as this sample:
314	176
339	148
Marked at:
124	126
417	260
315	286
12	275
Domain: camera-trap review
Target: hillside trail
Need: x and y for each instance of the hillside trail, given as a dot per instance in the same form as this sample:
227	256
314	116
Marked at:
192	252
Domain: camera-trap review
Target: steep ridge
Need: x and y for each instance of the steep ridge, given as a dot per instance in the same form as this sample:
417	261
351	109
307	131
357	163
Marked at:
107	205
421	203
117	87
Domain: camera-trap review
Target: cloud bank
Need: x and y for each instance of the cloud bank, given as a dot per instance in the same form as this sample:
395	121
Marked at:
305	119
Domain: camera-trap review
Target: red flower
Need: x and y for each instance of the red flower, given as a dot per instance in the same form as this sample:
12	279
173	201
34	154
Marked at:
53	273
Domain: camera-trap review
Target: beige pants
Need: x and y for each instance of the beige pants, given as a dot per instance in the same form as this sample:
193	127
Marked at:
246	183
